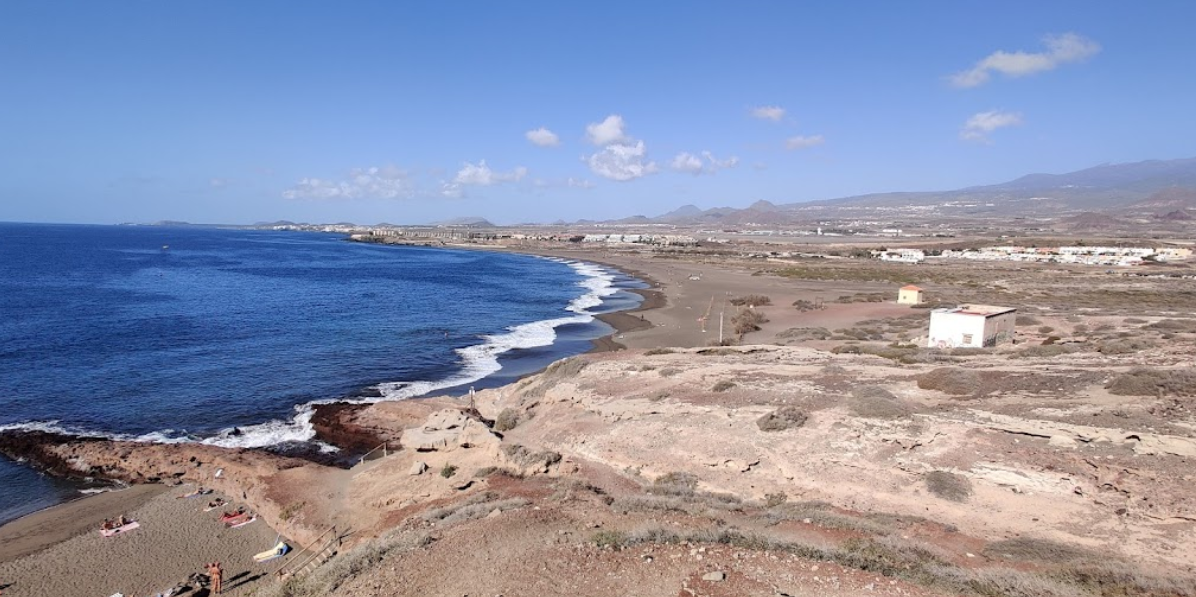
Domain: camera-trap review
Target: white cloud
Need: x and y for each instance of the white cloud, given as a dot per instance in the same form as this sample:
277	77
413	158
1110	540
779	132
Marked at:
717	164
387	182
804	142
607	132
621	161
481	175
219	182
1060	49
572	183
688	162
451	190
980	125
773	113
543	137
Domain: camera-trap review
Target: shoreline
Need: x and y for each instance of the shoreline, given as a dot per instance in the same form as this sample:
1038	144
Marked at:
50	526
333	420
334	423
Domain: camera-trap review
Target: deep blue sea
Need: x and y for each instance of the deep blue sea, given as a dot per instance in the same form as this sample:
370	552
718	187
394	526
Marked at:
185	334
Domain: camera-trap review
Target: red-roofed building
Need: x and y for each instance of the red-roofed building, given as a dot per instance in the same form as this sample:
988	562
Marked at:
909	295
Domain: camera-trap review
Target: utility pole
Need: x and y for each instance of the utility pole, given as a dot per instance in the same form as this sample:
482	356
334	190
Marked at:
720	323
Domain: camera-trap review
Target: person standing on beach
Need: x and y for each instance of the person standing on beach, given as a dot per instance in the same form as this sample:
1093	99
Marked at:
214	574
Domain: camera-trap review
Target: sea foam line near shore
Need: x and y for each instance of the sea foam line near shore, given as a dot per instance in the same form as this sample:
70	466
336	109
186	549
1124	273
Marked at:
477	362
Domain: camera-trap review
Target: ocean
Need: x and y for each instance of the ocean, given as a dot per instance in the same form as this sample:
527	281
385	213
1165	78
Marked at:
228	336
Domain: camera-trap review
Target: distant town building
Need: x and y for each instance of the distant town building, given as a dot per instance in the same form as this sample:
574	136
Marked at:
1172	254
1080	255
909	295
974	326
901	255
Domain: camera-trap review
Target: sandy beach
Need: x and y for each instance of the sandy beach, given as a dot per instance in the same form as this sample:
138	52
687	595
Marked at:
175	539
686	298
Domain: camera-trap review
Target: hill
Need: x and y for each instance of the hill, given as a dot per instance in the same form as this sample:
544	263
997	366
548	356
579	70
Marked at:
1153	187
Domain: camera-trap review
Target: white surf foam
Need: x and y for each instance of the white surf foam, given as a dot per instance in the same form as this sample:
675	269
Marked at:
477	362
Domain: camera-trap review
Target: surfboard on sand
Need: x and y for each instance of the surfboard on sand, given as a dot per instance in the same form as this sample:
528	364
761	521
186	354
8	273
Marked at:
119	530
280	549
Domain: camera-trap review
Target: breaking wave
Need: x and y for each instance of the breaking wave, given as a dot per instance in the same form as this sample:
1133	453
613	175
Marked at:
476	363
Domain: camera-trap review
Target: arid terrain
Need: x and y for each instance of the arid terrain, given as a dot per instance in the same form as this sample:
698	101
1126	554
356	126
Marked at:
819	450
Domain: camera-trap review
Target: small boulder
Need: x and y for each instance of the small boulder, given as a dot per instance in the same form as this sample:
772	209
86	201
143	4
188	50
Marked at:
419	468
718	576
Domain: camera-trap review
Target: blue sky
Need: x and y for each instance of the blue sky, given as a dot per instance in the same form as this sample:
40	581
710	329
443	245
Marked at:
237	112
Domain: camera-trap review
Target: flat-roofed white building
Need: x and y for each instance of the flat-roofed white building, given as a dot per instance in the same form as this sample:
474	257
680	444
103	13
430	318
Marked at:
974	326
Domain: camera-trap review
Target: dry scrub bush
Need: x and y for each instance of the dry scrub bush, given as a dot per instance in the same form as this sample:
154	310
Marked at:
1133	321
344	567
1046	329
747	321
751	300
951	380
1027	320
655	351
921	563
948	486
506	420
875	402
1030	549
674	483
803	305
474	507
525	458
1144	381
677	492
496	471
785	417
291	510
696	504
804	334
477	511
1124	346
723	386
772	500
1173	325
823	515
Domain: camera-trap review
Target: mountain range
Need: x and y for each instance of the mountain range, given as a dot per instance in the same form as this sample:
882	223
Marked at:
1155	189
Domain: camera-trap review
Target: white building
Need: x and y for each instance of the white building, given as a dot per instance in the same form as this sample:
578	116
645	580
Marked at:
901	255
975	326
